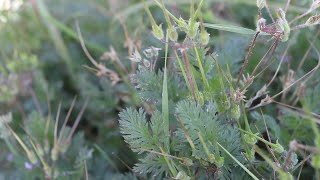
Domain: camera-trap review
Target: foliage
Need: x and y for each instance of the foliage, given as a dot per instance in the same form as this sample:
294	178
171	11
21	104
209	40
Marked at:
211	92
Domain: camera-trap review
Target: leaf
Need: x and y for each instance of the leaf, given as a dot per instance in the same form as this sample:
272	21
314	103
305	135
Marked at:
232	28
212	127
136	132
152	164
134	128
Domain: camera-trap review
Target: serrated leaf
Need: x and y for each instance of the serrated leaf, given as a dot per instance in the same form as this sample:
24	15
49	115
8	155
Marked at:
136	131
153	164
134	128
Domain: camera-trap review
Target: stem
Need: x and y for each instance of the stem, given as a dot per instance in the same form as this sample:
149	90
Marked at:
259	138
165	98
172	169
186	62
271	49
186	133
269	12
205	81
182	70
299	17
278	68
239	163
247	57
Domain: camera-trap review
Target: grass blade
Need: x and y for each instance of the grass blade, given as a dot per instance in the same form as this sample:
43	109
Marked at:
232	28
165	100
239	163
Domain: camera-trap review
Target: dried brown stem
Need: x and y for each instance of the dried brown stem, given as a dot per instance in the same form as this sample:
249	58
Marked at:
270	50
188	71
245	63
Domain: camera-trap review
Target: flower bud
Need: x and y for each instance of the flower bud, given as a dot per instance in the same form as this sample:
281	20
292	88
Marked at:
204	38
277	147
193	29
250	139
235	111
183	25
316	161
283	25
157	31
173	34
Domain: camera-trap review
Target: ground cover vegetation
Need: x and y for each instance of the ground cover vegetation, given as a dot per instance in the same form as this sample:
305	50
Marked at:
156	89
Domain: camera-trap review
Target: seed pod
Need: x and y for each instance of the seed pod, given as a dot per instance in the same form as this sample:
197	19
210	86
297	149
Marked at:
250	139
235	111
204	38
283	25
316	161
183	25
157	31
193	29
277	147
173	34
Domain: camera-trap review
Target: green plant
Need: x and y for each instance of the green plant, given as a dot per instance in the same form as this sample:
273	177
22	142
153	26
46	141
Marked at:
205	131
202	103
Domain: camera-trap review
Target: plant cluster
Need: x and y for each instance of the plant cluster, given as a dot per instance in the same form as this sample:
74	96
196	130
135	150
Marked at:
195	100
198	127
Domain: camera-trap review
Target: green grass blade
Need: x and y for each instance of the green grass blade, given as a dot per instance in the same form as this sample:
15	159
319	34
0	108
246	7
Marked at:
165	98
231	28
239	163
